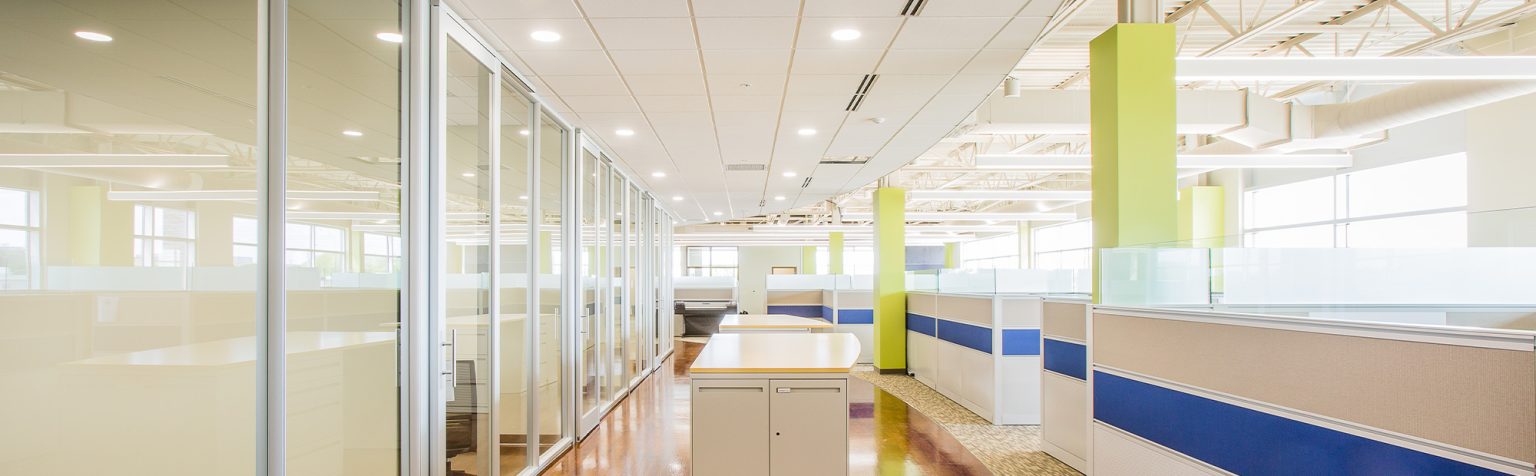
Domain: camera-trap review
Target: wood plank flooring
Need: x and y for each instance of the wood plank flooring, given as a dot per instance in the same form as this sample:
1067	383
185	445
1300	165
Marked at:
648	432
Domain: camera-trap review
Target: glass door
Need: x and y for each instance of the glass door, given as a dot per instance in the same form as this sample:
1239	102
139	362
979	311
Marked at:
589	369
465	270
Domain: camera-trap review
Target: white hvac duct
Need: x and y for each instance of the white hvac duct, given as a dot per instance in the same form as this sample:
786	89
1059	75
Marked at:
1256	121
1409	104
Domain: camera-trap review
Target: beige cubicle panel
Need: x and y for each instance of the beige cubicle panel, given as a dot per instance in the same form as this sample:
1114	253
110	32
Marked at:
1447	391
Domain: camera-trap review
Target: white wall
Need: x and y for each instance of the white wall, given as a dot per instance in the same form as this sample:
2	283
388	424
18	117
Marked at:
1501	163
752	266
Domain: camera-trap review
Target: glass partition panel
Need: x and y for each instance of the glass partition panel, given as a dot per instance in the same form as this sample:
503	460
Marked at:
613	357
632	281
1155	276
551	159
123	359
468	163
590	370
514	283
342	314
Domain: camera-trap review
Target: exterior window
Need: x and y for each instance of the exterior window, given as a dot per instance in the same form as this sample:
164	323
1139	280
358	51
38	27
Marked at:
18	239
164	237
1064	246
245	239
1418	204
859	260
316	246
1000	251
381	253
711	261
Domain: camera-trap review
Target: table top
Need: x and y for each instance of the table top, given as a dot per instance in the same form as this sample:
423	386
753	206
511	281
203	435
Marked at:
778	353
772	321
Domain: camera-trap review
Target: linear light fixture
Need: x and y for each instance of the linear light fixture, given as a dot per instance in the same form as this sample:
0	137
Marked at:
237	195
1073	195
943	216
1380	68
179	161
372	216
1071	162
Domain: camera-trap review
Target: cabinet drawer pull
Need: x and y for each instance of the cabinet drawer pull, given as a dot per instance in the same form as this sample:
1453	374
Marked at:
731	389
808	389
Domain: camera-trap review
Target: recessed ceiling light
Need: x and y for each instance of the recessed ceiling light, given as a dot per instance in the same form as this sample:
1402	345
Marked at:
659	174
522	197
719	213
846	35
677	198
352	133
545	36
93	36
523	132
778	198
469	174
789	173
390	36
807	132
625	132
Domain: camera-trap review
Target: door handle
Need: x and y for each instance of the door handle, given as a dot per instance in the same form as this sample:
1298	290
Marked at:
453	363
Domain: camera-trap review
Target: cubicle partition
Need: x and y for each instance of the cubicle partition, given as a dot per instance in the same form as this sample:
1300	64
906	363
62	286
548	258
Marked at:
800	295
847	301
1191	392
1064	380
980	350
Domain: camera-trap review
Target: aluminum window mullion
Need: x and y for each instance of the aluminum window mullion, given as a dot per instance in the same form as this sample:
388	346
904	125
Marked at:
414	365
534	289
272	120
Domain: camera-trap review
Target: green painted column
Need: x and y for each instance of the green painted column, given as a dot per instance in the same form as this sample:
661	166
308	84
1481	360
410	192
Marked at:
808	260
951	255
546	252
1202	224
890	279
1131	91
835	253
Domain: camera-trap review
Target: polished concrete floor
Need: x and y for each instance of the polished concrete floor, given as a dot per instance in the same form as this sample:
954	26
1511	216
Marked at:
648	432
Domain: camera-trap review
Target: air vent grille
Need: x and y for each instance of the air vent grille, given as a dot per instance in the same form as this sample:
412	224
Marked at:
746	167
806	183
858	94
845	160
913	7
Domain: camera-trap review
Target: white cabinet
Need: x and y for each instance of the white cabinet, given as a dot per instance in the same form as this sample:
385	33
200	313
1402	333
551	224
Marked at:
731	427
809	421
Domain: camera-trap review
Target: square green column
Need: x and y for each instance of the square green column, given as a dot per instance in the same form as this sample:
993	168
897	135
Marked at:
1131	91
951	261
890	280
835	253
807	260
1202	224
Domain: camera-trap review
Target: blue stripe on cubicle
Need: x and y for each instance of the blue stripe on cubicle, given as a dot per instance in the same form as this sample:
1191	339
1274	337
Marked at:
1251	442
1066	358
975	337
827	313
1021	341
796	310
921	324
855	316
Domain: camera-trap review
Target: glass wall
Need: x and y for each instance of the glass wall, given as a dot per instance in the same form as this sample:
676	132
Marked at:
127	155
146	238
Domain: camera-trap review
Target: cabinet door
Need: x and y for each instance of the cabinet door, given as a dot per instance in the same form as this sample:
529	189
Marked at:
810	427
730	427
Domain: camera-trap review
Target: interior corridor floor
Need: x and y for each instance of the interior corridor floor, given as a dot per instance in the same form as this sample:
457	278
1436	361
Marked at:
648	432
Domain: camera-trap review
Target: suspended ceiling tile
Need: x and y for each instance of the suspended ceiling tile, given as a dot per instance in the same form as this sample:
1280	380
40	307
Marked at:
745	33
745	8
615	103
861	8
666	84
650	104
916	61
567	62
873	32
515	34
645	33
684	61
974	8
586	85
836	61
746	84
746	61
523	8
635	9
763	103
948	33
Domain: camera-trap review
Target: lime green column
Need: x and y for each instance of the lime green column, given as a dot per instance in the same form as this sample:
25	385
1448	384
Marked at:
951	255
808	260
835	253
1131	90
1202	224
890	279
